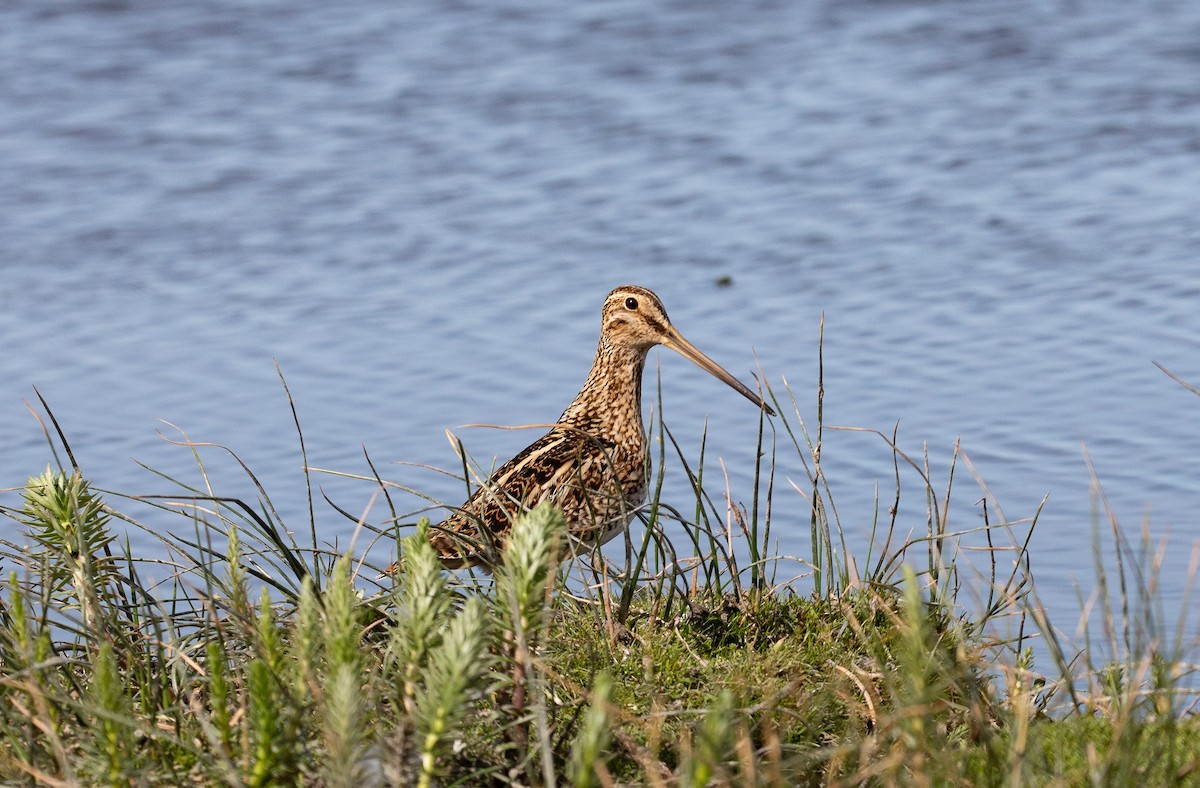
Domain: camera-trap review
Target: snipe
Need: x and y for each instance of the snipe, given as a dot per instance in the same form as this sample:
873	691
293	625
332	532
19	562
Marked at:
593	463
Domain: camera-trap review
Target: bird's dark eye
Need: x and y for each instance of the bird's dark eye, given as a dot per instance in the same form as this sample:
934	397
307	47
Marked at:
631	303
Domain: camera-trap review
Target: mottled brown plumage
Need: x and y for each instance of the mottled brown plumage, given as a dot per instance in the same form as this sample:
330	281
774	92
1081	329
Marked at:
594	462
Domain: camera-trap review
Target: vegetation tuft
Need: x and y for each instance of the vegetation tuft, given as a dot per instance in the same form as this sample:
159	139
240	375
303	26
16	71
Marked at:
243	657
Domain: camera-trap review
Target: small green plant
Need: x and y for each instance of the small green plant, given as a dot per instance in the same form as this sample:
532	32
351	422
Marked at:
587	767
68	523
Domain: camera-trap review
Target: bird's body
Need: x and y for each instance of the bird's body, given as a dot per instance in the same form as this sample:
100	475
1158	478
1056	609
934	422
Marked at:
593	463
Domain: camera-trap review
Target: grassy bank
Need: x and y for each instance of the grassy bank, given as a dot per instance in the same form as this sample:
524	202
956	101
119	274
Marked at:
257	656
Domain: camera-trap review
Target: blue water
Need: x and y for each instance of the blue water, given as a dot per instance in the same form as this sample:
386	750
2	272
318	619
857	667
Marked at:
416	210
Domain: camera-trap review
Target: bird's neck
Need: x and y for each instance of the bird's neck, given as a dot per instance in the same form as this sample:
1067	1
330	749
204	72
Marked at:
609	406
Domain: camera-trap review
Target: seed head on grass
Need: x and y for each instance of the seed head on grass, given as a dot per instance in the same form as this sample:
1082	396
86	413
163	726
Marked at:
270	708
266	728
344	698
421	613
343	717
307	642
453	676
64	514
524	580
268	642
342	632
528	557
115	744
24	641
239	595
69	523
218	692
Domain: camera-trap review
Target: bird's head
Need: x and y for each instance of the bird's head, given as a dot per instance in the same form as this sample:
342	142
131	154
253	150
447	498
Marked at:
635	318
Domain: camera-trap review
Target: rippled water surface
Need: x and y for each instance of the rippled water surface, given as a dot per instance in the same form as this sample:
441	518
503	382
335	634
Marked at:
416	209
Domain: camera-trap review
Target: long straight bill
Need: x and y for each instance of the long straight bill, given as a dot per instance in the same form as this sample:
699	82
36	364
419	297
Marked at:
676	342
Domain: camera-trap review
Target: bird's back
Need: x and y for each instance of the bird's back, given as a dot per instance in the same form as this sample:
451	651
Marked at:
598	484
